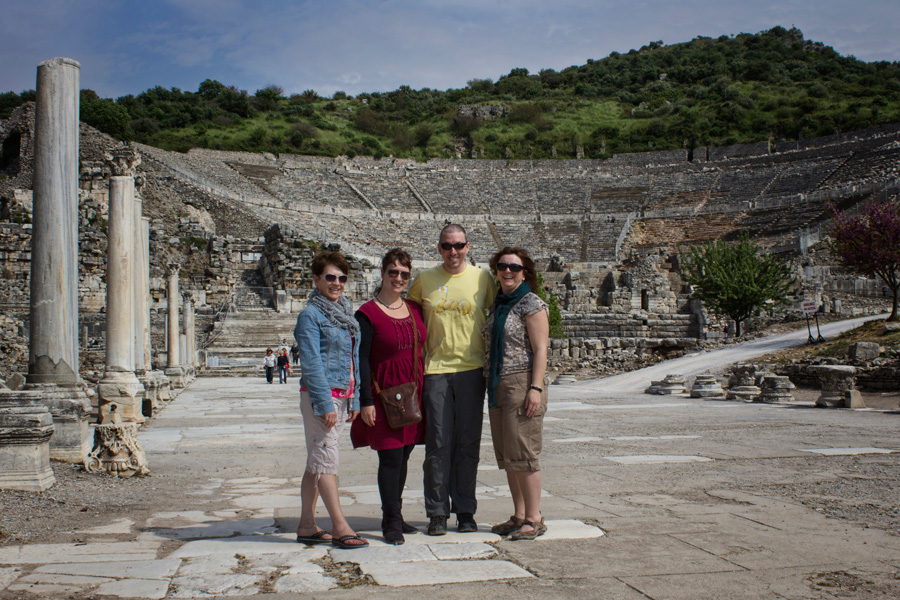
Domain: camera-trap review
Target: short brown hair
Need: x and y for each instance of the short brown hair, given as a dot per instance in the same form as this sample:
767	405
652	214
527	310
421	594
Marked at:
529	268
330	257
396	255
454	228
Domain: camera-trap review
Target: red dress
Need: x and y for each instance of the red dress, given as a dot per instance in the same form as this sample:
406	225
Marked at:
390	362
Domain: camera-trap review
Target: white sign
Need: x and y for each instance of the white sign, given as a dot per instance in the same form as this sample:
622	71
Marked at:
809	306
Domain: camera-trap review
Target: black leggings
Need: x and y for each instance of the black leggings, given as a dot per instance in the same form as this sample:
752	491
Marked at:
392	473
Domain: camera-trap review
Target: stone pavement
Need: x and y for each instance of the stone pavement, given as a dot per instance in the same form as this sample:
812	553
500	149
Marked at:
645	497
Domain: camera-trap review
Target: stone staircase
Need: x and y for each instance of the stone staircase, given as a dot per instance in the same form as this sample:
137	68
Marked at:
241	341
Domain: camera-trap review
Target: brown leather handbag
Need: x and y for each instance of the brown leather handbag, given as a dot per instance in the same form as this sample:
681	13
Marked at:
401	402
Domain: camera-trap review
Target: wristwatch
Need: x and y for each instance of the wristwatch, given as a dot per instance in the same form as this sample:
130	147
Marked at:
534	387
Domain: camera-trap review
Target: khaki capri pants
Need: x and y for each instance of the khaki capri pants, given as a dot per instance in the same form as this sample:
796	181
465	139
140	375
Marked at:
517	438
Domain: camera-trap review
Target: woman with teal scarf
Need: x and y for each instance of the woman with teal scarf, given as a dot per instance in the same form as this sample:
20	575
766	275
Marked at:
516	337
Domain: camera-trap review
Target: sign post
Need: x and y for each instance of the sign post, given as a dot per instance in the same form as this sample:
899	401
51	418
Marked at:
809	307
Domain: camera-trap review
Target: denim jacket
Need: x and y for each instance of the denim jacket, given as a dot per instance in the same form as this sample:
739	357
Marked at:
325	359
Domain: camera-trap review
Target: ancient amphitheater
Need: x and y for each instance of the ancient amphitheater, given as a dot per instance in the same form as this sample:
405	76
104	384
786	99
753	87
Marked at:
604	232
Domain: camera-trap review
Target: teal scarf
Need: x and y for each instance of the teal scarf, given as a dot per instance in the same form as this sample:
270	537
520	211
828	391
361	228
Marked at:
502	305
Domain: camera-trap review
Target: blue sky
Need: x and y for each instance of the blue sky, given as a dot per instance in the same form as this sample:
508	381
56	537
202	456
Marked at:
128	46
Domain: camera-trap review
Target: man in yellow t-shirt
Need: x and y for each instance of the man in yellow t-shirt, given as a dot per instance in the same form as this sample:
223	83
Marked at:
454	297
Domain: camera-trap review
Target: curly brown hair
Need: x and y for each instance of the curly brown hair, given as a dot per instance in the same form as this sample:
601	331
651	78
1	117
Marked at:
529	269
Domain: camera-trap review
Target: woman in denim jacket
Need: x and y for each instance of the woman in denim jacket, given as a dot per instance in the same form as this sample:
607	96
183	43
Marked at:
328	337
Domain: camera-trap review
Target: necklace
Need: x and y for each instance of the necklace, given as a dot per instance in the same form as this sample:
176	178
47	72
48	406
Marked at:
398	307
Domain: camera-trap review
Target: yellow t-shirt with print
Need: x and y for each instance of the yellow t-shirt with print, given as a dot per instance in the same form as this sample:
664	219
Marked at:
455	307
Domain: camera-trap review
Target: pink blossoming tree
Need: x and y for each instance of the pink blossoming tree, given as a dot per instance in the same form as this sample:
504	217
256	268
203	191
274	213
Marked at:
869	243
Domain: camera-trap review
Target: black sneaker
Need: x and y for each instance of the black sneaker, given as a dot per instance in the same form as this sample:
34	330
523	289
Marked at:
466	523
437	525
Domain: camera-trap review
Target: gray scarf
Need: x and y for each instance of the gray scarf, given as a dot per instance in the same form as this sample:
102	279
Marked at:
339	312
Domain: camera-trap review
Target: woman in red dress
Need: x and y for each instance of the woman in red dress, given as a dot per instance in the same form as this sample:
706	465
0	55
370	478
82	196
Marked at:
386	357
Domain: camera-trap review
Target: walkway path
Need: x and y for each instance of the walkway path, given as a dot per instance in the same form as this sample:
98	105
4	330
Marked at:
646	497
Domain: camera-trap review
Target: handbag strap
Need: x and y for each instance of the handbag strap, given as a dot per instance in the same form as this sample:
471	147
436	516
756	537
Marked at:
415	363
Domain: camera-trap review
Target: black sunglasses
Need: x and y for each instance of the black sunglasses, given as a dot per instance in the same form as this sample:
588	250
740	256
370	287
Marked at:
331	278
457	246
511	266
404	275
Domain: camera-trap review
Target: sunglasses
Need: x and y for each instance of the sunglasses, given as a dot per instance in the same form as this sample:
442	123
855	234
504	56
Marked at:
457	246
510	266
331	278
404	275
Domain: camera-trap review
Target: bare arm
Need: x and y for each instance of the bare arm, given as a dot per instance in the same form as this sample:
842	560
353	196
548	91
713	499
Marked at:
538	326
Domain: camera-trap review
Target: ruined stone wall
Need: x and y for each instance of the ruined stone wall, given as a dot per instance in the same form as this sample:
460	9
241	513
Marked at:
870	377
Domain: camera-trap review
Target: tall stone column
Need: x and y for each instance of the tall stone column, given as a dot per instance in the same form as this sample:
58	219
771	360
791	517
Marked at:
53	346
53	401
141	282
192	336
141	269
173	371
120	390
145	243
189	358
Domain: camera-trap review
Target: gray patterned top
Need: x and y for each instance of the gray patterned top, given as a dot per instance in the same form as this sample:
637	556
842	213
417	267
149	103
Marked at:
517	356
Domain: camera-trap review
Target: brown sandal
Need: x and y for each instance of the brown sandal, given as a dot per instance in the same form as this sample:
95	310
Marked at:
509	526
537	529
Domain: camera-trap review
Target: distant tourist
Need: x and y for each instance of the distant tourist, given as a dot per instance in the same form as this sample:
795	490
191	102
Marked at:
454	297
269	361
516	336
328	337
284	366
391	354
295	354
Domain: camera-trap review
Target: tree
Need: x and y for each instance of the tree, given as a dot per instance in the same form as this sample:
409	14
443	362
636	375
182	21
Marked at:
105	115
557	329
734	279
870	244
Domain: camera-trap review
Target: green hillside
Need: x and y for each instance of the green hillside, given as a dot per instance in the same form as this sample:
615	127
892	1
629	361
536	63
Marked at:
750	87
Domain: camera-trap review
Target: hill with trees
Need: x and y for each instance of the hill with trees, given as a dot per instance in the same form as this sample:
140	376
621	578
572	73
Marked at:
773	85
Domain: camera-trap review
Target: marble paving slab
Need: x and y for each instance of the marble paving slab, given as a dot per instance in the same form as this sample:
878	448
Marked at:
135	588
847	451
656	458
78	553
246	545
136	569
451	571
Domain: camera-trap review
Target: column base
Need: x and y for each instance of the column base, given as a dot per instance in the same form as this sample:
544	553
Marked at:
26	426
120	391
150	403
71	411
743	393
176	377
116	451
163	386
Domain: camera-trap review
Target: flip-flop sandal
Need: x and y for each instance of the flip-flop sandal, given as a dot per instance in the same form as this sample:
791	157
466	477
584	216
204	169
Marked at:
341	542
316	538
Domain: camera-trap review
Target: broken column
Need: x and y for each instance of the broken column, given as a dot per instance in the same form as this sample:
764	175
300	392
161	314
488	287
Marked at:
671	384
53	401
119	389
173	370
838	386
707	386
776	389
743	383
